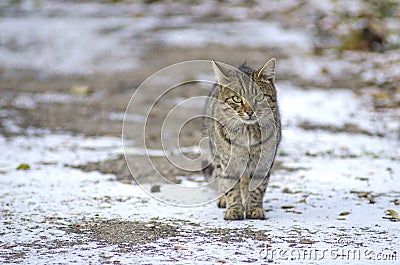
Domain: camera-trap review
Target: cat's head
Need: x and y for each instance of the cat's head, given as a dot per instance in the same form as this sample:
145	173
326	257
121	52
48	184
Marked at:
246	94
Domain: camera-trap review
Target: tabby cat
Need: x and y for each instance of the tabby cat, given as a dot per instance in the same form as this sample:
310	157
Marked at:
243	125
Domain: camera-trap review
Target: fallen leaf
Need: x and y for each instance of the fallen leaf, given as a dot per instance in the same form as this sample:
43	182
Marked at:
81	90
126	181
222	261
306	241
303	201
393	214
344	213
287	207
47	163
23	167
294	211
361	194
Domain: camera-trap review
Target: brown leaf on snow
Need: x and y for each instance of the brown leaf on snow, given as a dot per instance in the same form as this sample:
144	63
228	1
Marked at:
393	214
306	241
178	247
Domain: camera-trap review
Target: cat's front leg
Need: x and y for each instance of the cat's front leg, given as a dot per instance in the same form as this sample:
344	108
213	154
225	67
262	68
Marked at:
221	202
244	189
254	204
233	198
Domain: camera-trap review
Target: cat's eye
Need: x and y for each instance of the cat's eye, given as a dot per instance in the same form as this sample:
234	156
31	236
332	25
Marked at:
237	99
260	97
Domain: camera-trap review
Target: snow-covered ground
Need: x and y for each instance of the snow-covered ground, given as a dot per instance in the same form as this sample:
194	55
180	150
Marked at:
328	202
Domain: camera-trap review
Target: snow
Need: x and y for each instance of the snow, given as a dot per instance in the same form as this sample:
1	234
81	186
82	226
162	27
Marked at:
95	38
339	107
61	44
263	34
31	100
340	164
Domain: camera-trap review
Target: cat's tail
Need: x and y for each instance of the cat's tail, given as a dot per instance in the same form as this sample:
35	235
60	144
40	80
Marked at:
208	170
210	174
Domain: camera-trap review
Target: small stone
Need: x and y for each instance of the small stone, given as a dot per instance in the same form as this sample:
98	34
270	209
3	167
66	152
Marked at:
178	247
155	188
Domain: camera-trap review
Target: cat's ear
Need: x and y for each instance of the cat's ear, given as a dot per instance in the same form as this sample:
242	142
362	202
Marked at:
221	73
268	70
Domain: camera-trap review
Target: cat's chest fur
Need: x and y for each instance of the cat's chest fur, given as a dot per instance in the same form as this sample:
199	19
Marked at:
254	135
247	136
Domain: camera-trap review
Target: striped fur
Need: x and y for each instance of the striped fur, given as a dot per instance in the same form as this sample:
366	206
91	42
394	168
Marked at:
243	123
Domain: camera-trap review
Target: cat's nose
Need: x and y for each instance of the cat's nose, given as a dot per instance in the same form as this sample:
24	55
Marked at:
249	112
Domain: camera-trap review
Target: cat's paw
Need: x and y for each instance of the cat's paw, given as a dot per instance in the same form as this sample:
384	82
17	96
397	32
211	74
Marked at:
234	214
255	213
221	202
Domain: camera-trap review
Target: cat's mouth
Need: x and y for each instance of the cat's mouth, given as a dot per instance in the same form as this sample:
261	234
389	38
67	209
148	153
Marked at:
252	121
249	119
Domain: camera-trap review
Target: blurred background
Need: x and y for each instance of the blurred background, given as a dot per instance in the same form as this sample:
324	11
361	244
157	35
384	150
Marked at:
63	58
